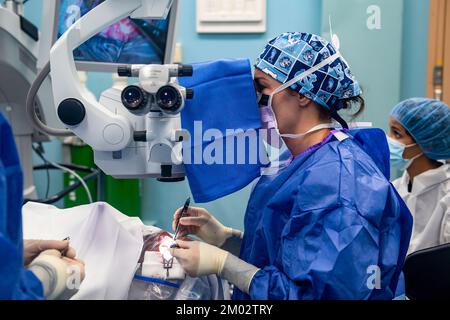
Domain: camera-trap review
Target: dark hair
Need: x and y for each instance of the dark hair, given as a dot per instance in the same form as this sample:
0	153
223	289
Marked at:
348	104
355	103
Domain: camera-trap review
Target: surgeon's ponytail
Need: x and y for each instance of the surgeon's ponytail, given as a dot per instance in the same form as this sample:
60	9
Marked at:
355	105
350	108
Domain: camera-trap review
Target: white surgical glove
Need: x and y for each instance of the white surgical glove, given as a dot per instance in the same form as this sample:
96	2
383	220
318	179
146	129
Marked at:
200	259
33	248
52	269
199	222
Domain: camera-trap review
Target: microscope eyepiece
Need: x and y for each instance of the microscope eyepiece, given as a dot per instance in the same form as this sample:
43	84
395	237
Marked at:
134	98
169	99
124	71
185	70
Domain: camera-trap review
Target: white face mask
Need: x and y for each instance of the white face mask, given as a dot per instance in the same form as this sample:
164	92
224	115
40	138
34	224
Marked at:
268	118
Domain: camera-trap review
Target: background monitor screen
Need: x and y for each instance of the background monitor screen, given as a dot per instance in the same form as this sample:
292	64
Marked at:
130	41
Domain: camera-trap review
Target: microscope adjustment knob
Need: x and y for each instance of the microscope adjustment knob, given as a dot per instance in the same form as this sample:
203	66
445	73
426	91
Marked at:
71	112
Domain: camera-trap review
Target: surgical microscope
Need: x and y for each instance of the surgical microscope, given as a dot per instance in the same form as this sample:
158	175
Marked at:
135	132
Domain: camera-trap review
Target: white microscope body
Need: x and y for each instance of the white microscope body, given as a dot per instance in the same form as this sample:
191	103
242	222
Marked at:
135	133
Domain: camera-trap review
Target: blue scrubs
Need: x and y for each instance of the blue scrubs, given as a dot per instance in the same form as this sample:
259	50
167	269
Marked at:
15	281
325	227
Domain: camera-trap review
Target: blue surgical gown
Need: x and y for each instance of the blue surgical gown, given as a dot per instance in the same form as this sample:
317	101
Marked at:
326	227
15	281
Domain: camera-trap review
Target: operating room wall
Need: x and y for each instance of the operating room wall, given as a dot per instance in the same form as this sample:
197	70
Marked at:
415	48
389	62
385	42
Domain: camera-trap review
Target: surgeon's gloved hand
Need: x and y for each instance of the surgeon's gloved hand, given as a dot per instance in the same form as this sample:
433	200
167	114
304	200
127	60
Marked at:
199	222
60	275
200	259
33	248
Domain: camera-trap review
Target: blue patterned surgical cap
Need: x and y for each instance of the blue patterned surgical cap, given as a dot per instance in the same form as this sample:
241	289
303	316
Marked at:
290	54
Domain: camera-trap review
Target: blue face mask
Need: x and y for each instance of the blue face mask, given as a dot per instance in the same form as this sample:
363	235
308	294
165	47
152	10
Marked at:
397	149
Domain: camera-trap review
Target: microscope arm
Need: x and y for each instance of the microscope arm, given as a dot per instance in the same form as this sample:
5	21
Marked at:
100	128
